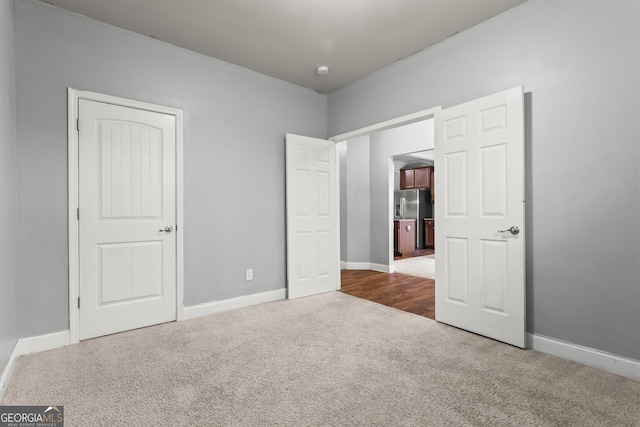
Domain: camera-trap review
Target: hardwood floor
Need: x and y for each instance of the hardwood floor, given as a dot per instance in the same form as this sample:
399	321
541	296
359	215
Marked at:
408	293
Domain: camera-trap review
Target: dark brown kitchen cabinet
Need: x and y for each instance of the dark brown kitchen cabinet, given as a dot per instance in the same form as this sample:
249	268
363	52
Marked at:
404	237
423	177
429	232
416	178
407	179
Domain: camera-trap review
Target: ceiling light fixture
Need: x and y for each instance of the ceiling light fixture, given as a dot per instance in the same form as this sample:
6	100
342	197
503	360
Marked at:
322	70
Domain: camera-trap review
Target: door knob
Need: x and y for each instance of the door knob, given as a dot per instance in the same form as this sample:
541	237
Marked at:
167	229
513	230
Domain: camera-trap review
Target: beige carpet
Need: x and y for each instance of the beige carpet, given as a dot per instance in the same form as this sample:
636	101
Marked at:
327	360
421	266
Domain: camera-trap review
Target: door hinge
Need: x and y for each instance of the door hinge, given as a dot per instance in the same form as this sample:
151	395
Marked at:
78	124
78	303
78	213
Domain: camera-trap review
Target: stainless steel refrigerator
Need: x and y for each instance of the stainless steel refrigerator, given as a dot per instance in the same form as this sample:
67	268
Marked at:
412	204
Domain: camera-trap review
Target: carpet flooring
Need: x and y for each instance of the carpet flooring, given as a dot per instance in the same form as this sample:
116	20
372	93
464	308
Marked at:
326	360
420	266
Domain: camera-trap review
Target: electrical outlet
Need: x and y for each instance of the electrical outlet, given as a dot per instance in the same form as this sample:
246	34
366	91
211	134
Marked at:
249	274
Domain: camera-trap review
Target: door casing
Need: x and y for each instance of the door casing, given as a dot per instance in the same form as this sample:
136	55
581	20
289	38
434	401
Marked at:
74	96
389	124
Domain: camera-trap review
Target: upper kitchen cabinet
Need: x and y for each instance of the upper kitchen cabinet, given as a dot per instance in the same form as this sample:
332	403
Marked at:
416	178
407	179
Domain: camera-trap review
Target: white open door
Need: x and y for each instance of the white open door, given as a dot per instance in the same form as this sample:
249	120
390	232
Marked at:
480	274
313	223
127	218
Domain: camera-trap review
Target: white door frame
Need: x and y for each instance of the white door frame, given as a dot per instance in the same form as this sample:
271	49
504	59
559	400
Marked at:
74	96
389	124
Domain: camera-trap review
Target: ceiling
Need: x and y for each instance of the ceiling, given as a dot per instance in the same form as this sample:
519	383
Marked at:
290	39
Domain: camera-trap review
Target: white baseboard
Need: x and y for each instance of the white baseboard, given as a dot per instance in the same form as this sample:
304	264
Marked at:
344	265
8	370
618	365
32	345
382	268
356	266
214	307
42	342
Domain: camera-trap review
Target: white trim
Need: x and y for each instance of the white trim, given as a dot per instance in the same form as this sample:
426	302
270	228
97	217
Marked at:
74	281
214	307
382	268
179	215
8	370
31	345
618	365
43	342
392	123
337	170
356	265
72	172
391	213
345	265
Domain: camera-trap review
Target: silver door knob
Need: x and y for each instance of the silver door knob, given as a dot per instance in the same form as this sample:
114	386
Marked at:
513	230
167	229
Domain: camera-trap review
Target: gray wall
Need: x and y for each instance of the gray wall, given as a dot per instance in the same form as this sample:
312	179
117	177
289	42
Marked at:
358	215
235	122
384	145
8	284
578	62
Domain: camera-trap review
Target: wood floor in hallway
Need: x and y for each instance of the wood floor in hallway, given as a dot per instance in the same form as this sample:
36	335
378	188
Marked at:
408	293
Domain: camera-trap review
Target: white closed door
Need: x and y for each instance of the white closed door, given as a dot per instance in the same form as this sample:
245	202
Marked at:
480	274
127	218
313	230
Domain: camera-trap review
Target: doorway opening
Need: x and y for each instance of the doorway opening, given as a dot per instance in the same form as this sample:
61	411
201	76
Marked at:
376	206
413	206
